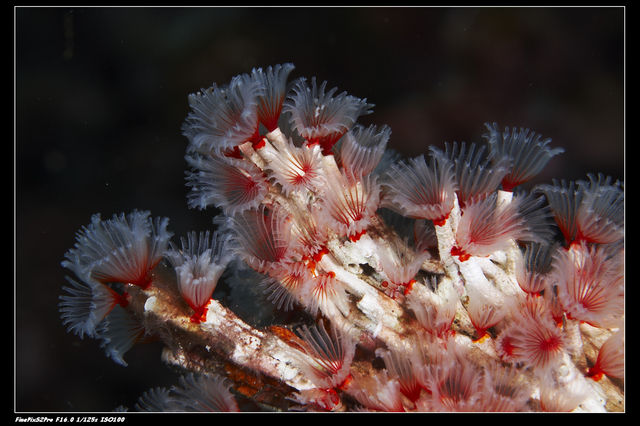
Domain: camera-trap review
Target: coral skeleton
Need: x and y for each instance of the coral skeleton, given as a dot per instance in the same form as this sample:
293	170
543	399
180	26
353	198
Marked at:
339	276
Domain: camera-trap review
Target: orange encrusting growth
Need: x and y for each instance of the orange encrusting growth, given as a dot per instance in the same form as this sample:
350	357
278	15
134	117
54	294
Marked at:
483	335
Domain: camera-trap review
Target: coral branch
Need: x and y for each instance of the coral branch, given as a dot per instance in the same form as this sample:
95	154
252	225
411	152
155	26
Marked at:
462	313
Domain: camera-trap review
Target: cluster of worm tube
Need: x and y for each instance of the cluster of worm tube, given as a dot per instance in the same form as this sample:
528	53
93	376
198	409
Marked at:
428	284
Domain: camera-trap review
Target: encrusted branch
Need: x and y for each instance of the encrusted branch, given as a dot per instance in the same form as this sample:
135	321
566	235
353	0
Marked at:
441	313
264	364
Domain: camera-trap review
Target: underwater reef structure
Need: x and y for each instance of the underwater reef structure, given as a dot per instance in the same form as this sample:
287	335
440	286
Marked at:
425	284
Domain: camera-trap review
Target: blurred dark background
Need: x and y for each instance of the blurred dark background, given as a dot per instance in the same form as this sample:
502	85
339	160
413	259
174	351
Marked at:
101	94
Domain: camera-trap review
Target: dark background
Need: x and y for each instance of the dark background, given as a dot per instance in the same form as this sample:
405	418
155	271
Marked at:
101	94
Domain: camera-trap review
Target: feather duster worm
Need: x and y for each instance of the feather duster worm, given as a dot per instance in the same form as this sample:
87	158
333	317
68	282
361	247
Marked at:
533	267
532	337
124	249
525	149
610	359
399	366
400	264
296	168
486	226
263	237
195	393
600	216
454	384
230	184
319	116
564	200
436	310
330	354
422	191
119	332
362	149
475	176
222	118
287	284
274	81
86	305
199	263
591	284
348	206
